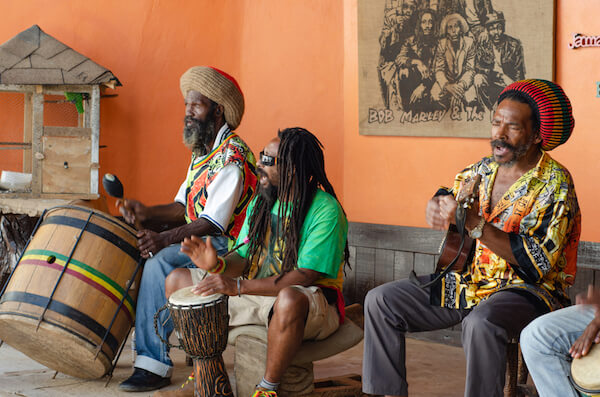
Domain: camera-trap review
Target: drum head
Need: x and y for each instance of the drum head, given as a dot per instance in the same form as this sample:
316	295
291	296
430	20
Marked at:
585	371
185	297
53	347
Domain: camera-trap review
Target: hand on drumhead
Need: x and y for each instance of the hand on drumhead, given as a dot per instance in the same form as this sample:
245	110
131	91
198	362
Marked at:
150	242
201	252
591	334
216	284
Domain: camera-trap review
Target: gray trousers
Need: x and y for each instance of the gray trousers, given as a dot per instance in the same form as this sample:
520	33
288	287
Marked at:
398	307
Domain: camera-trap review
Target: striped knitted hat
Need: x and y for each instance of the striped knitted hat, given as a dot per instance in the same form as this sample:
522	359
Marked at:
552	106
217	86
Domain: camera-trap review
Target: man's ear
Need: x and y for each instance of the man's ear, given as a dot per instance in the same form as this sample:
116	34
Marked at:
537	137
219	110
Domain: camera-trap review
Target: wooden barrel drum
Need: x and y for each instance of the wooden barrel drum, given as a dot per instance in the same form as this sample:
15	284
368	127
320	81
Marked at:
70	302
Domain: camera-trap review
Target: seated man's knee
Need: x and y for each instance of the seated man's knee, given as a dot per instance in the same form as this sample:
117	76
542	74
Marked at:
291	303
476	321
479	80
177	279
374	298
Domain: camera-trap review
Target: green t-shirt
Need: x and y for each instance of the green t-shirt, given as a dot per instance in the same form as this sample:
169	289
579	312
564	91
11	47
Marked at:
322	241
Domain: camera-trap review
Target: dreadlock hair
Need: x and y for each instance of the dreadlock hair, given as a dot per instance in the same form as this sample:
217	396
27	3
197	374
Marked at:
301	168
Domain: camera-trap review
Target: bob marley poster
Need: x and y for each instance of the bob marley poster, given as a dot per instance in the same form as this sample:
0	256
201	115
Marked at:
436	67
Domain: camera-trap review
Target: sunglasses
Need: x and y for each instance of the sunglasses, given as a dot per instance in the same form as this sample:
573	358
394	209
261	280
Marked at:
267	160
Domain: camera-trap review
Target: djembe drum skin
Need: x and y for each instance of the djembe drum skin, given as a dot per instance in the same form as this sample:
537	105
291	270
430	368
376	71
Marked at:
585	372
70	302
202	326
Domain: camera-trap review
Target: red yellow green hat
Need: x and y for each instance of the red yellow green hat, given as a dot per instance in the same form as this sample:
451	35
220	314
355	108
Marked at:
552	106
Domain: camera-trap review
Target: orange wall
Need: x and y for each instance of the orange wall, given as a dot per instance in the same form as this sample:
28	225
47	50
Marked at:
287	57
397	175
296	61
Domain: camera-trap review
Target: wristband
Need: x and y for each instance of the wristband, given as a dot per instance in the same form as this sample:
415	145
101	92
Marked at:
220	266
239	282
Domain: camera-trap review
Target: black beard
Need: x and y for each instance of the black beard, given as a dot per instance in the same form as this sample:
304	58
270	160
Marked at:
269	193
198	135
517	151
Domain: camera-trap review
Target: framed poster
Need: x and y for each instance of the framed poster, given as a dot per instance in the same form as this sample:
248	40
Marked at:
436	67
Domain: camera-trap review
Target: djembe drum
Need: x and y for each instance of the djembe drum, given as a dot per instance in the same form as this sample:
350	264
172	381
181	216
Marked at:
585	372
202	326
70	301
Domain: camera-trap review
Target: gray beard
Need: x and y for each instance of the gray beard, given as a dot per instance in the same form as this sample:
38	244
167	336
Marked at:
199	135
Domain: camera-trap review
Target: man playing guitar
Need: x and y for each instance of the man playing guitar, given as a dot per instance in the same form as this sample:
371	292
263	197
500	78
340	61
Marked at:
526	225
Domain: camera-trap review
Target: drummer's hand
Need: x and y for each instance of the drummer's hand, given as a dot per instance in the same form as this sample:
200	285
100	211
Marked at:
201	252
591	334
132	210
150	242
216	284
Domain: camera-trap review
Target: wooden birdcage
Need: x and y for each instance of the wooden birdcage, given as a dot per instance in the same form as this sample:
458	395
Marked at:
63	159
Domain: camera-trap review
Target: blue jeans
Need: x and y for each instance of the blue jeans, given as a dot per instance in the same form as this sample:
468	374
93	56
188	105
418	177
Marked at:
545	344
152	354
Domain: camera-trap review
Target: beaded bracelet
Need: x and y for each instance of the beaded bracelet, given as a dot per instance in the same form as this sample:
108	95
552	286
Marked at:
220	267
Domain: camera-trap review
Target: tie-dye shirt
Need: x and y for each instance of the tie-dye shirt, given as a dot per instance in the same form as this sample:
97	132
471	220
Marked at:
541	215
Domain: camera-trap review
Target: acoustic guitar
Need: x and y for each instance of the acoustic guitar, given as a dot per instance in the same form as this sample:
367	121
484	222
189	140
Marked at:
452	252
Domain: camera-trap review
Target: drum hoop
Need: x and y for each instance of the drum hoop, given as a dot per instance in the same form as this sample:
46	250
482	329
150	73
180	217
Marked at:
582	389
99	214
197	305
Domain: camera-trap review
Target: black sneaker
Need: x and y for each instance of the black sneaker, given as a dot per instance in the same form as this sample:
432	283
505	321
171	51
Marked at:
143	380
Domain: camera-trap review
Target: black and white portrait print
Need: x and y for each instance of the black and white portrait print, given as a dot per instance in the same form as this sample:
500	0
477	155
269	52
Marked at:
436	67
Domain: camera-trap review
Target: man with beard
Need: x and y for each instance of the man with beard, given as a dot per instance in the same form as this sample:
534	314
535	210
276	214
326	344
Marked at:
416	62
499	60
289	275
398	25
526	225
454	65
212	201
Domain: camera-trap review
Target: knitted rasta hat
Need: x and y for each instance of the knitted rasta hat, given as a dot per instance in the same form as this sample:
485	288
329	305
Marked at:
551	106
217	86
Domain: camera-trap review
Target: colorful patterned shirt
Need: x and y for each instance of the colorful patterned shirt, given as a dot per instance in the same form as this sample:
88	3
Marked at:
231	150
541	214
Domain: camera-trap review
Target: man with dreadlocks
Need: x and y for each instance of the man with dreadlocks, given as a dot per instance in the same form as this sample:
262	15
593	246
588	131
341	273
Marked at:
289	276
211	201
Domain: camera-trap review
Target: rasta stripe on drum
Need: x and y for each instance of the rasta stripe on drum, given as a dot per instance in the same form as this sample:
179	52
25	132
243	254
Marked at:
83	272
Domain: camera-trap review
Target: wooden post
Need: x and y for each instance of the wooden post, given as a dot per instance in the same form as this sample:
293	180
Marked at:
37	149
27	133
95	126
